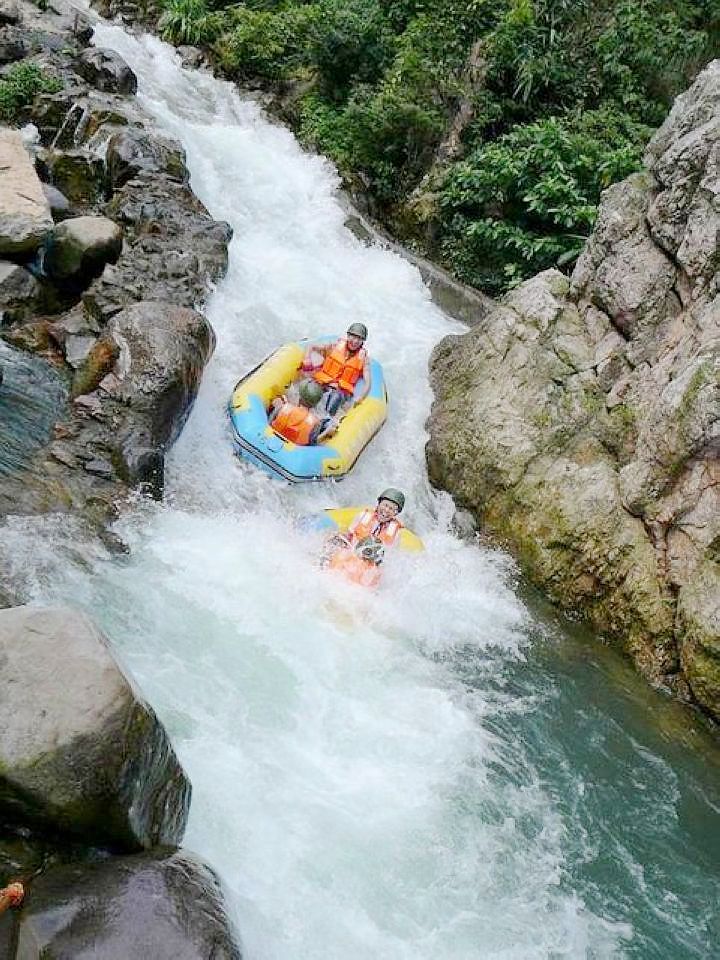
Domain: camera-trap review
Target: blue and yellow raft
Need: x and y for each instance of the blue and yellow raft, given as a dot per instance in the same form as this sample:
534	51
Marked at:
338	519
255	440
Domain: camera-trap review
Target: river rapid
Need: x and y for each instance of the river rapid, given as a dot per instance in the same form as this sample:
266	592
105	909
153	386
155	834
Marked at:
438	772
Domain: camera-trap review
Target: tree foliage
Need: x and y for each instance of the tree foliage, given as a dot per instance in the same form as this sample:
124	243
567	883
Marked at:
558	103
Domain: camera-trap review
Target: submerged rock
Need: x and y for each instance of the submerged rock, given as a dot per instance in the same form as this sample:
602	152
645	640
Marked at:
164	905
81	754
580	421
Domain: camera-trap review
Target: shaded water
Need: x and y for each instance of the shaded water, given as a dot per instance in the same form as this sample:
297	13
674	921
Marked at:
430	772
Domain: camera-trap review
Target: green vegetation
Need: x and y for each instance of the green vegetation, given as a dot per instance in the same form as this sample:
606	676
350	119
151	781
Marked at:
19	87
483	130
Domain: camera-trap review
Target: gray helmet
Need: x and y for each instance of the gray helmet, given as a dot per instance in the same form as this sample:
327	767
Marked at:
310	393
358	330
371	549
394	496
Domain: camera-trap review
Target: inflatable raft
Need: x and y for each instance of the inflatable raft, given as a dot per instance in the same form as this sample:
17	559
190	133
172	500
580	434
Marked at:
337	520
255	440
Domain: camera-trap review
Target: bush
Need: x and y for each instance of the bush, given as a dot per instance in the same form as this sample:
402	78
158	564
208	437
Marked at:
353	44
267	45
20	86
187	21
528	201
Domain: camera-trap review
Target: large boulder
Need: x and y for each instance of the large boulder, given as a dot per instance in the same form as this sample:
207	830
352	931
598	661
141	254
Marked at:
162	350
580	422
106	70
81	753
78	249
133	151
25	217
164	905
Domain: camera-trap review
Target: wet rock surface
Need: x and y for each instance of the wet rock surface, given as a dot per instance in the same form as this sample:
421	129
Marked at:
580	420
127	229
93	761
166	904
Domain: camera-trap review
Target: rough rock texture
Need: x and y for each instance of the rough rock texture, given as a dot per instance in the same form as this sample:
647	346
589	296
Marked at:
94	147
78	249
161	351
580	421
81	753
164	905
106	70
24	211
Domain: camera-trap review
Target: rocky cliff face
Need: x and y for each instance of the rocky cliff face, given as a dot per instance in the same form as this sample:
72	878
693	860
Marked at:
580	420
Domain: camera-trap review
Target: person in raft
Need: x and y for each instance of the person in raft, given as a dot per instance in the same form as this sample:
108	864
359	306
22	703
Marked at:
301	423
343	363
379	525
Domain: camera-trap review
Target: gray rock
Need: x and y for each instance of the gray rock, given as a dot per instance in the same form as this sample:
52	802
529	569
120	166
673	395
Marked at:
78	249
191	56
77	347
133	151
59	203
19	290
163	350
581	424
164	905
106	70
94	762
100	468
24	212
9	12
13	45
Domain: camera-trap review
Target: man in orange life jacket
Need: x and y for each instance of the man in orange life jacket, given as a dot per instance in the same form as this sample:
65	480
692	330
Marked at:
379	526
300	423
346	361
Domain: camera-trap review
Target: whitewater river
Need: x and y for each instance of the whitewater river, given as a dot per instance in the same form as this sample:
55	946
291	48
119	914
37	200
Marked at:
440	772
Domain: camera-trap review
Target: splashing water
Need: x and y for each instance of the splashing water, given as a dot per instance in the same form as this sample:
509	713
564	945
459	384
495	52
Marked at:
384	777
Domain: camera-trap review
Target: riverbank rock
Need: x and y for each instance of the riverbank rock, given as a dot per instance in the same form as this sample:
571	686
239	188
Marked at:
162	350
78	249
580	420
133	151
164	905
81	754
24	211
106	70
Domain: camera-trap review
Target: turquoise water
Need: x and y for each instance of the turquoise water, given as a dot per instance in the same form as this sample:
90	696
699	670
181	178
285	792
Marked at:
439	771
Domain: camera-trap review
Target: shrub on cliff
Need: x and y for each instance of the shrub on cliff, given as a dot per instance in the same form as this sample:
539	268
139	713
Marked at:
528	200
19	87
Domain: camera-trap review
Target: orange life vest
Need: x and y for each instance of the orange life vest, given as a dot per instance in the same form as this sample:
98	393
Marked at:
295	423
367	524
342	367
354	568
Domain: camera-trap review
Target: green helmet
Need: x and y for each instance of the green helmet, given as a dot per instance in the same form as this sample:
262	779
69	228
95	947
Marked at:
394	496
310	393
357	330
